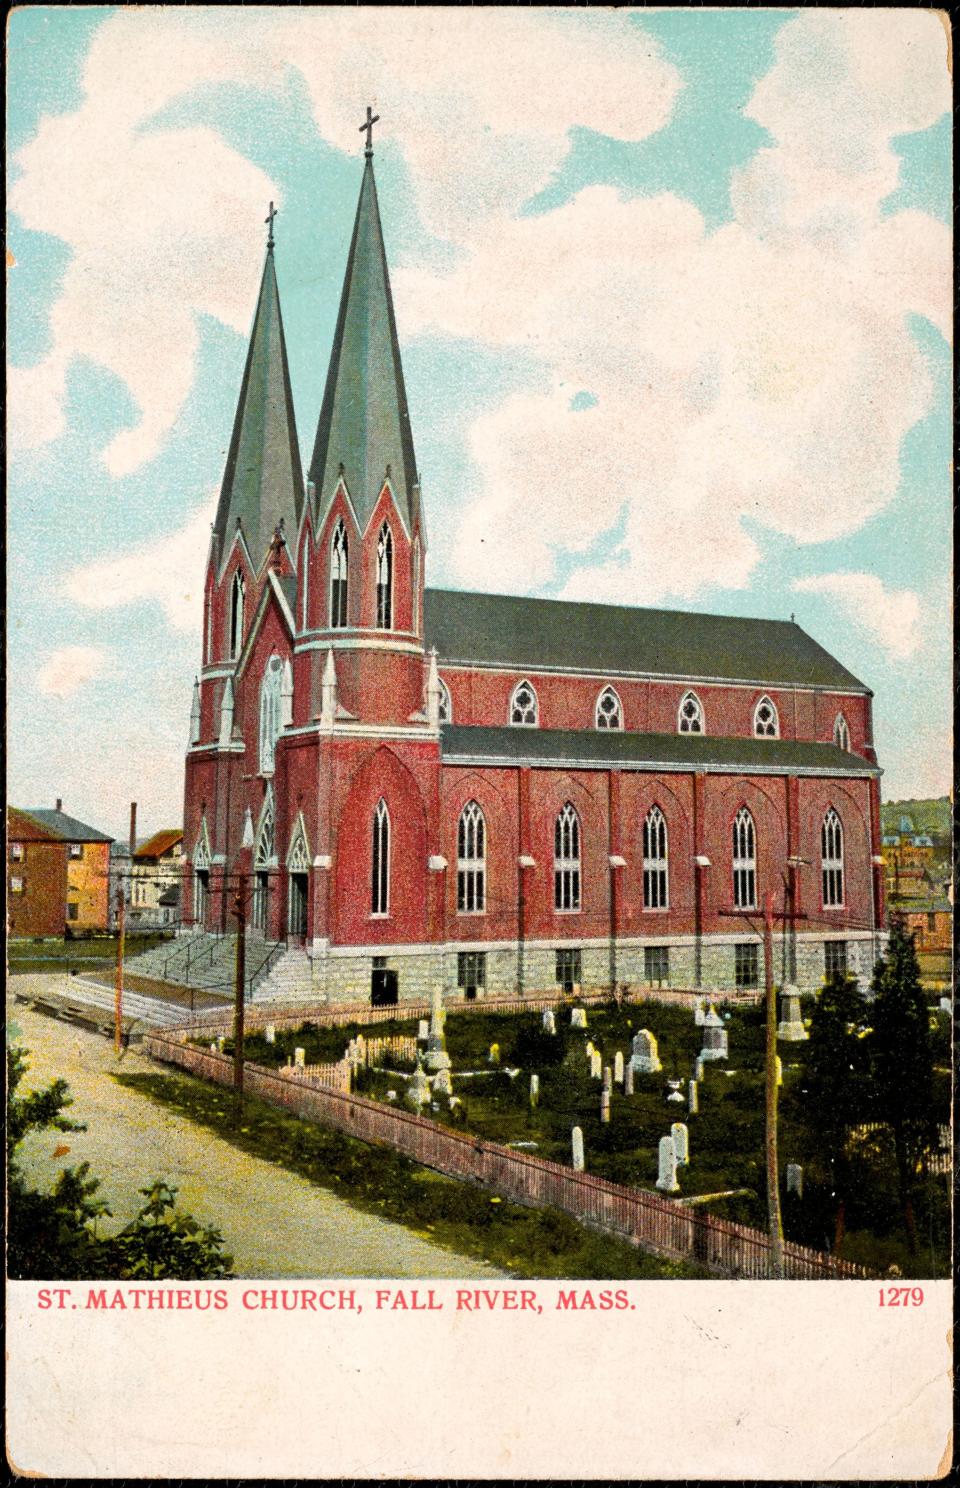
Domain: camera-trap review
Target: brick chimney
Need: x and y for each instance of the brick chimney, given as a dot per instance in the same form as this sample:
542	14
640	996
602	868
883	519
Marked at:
59	804
133	827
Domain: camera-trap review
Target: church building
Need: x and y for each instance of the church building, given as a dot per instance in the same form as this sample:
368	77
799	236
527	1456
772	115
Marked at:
412	787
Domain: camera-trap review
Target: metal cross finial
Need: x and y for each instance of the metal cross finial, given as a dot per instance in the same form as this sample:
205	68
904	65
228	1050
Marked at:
371	119
269	221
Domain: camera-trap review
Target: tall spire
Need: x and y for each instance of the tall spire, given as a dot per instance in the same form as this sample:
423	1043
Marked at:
263	478
364	426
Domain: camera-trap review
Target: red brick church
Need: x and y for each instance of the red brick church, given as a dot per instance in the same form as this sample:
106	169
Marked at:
418	786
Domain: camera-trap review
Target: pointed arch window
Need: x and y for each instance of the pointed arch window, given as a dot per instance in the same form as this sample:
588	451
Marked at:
264	860
201	875
415	605
471	860
271	712
237	594
690	714
305	582
339	558
656	883
831	852
566	860
609	713
744	861
385	578
766	723
445	707
524	708
841	733
380	874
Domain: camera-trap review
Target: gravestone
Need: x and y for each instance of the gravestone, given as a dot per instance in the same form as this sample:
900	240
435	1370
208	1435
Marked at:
270	1034
442	1084
605	1106
699	1012
588	1048
417	1093
693	1097
493	1056
437	1057
698	1069
946	1006
549	1020
681	1142
220	1043
791	1028
714	1037
779	1070
628	1080
607	1079
299	1058
391	1095
576	1143
795	1179
214	1049
618	1067
667	1176
596	1065
578	1017
423	1031
645	1059
675	1097
534	1089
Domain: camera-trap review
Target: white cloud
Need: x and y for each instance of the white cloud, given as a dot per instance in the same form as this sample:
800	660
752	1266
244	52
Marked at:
70	668
168	571
890	616
163	223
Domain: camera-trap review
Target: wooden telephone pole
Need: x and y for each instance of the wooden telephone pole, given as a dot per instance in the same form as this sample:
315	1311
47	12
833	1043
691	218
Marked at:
773	1178
240	911
118	982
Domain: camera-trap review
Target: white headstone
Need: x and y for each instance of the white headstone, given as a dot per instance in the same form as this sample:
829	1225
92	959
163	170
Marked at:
576	1143
299	1058
693	1097
494	1055
588	1048
699	1012
667	1176
423	1030
549	1020
791	1028
270	1034
618	1067
391	1095
596	1065
417	1093
607	1078
698	1069
214	1049
645	1058
534	1089
681	1142
441	1083
779	1070
578	1017
795	1179
605	1106
675	1097
628	1080
714	1037
946	1006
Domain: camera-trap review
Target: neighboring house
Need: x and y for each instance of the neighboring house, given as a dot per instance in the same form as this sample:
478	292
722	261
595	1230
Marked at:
155	869
83	894
931	923
36	877
119	879
478	791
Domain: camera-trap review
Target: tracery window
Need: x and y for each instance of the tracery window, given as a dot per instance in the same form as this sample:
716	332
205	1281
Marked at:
744	861
655	862
566	860
380	876
385	578
690	714
831	853
471	860
524	710
766	724
339	557
609	710
445	706
271	712
841	733
237	592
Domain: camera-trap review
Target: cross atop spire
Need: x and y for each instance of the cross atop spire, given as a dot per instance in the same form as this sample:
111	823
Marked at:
269	221
371	119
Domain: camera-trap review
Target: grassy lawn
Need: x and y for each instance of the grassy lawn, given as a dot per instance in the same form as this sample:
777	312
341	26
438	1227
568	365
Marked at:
64	955
526	1242
726	1137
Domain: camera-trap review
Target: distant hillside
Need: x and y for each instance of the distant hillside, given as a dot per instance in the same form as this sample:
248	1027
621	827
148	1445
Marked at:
932	817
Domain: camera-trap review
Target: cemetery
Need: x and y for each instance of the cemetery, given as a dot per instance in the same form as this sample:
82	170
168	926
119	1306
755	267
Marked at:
659	1098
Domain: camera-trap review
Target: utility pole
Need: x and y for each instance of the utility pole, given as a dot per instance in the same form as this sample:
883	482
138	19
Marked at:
118	983
773	1179
240	910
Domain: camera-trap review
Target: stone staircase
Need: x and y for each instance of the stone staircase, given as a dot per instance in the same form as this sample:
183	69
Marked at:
207	962
289	979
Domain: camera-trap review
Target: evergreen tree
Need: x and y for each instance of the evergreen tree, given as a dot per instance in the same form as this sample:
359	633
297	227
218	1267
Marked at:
836	1083
53	1236
902	1063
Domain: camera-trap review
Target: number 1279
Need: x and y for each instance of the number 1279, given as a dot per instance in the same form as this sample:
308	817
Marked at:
901	1296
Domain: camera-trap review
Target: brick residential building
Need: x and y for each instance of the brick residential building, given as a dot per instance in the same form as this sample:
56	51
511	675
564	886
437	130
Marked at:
58	873
487	792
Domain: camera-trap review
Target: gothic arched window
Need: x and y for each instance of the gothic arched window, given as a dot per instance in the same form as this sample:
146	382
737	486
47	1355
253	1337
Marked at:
271	712
766	724
471	860
744	861
841	733
446	705
415	605
385	578
380	875
690	714
339	556
305	583
237	592
655	863
831	852
566	860
609	713
524	710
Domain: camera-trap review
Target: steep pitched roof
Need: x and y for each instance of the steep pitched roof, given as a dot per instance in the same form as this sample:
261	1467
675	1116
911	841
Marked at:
160	843
364	420
263	477
604	747
66	828
597	639
22	826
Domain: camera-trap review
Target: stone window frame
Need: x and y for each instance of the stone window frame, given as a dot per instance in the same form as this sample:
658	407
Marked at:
744	860
656	861
339	576
380	862
238	594
517	706
385	575
471	860
568	967
832	875
445	705
835	959
746	964
472	972
769	727
16	852
841	733
612	718
688	720
656	975
568	861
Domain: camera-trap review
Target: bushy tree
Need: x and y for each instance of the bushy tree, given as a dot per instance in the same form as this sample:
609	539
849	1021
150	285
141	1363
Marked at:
53	1236
836	1084
902	1063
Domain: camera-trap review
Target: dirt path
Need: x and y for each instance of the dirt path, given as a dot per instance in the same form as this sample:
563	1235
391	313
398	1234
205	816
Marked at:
274	1222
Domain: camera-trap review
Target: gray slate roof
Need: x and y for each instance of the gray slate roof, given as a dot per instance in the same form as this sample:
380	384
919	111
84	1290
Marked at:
263	477
528	634
68	828
604	747
364	420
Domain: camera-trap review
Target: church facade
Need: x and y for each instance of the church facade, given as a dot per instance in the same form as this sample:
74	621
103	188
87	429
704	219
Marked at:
415	787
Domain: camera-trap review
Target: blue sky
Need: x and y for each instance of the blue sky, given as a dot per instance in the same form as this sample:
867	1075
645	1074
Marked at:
672	313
